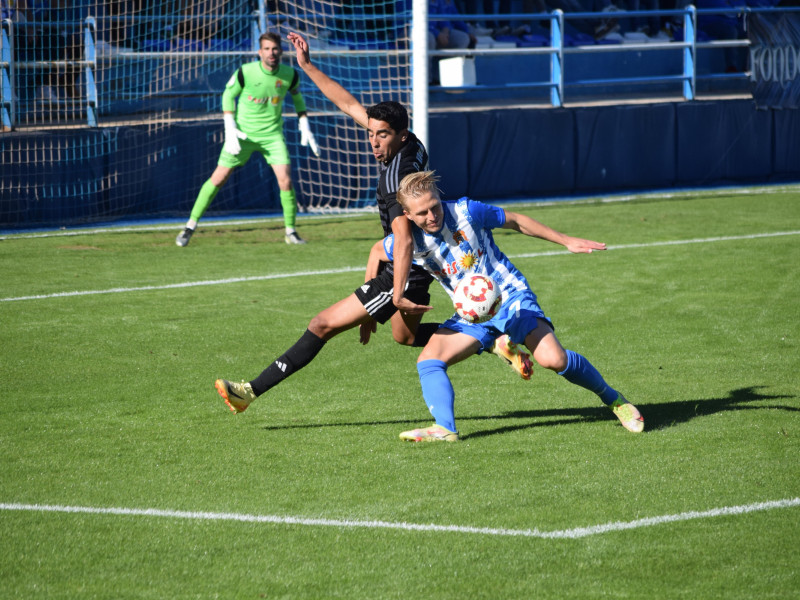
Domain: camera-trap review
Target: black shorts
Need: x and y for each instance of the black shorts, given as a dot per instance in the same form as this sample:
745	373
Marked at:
376	294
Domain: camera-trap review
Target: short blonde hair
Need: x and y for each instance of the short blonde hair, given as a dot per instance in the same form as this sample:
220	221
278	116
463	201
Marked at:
415	185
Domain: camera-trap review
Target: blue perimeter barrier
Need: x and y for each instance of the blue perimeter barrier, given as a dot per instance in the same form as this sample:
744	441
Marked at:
498	154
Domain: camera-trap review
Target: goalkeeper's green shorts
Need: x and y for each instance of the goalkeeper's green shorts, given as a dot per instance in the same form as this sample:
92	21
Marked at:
273	149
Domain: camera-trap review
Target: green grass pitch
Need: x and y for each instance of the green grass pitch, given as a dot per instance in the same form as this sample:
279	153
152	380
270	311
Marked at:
111	342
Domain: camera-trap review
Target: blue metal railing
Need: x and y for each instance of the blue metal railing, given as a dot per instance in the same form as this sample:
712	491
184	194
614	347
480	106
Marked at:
557	49
555	83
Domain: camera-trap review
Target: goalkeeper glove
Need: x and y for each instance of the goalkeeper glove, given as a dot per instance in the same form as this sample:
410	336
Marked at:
232	135
306	138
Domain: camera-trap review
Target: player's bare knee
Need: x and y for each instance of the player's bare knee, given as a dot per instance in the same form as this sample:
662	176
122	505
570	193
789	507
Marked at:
404	338
320	326
552	360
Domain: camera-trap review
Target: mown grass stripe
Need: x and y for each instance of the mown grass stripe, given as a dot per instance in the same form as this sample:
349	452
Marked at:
187	284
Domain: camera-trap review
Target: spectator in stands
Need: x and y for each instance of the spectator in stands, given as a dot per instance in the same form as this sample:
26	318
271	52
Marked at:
475	7
643	26
53	34
447	34
723	26
255	124
123	19
574	27
651	25
501	27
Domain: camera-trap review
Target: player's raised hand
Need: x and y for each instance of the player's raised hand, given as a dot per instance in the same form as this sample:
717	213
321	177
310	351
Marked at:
578	246
301	49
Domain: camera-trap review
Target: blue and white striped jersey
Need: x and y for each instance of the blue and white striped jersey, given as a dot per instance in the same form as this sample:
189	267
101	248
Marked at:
464	246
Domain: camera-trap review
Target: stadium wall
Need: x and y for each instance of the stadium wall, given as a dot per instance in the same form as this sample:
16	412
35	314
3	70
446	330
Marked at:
491	155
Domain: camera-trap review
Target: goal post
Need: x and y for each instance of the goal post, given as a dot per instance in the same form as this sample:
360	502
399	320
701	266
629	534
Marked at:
112	109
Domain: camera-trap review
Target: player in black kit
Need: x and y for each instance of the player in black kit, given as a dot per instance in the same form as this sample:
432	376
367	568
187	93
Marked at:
398	292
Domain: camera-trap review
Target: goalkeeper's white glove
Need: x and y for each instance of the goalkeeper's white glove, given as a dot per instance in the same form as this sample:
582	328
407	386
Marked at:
306	137
232	135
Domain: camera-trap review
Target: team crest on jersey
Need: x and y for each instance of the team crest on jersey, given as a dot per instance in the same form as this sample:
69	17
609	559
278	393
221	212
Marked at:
468	261
278	84
459	236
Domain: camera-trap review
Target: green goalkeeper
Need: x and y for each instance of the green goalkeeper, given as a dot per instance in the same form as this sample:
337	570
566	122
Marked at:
260	87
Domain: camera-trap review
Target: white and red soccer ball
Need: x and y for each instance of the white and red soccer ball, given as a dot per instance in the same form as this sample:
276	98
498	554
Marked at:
477	298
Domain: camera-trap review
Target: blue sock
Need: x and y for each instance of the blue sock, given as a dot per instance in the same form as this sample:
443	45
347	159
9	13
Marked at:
438	392
581	372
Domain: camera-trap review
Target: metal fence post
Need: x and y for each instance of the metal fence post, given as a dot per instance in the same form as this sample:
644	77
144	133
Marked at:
90	60
259	25
557	58
7	75
689	65
419	70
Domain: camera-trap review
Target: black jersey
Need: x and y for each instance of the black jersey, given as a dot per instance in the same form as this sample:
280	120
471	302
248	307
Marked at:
412	158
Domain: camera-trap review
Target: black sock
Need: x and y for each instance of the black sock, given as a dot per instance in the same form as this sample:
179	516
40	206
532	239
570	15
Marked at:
424	333
294	359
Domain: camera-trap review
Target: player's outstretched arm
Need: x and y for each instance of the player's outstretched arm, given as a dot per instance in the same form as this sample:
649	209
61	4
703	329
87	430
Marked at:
534	228
377	255
343	99
401	257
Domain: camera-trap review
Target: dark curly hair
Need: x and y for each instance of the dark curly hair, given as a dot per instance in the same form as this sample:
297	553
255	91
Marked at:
393	113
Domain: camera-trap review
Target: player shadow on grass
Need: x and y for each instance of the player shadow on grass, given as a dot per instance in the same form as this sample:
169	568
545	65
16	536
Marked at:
656	416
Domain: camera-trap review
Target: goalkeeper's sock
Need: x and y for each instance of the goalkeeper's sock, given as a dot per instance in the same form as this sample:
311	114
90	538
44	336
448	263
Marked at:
291	361
581	372
289	204
424	333
207	193
438	392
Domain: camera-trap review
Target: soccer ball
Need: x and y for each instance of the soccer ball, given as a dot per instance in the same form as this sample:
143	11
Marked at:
477	298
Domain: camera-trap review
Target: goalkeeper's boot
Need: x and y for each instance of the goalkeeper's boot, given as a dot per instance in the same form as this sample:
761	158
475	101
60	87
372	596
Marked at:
184	237
237	396
628	414
510	352
434	433
293	238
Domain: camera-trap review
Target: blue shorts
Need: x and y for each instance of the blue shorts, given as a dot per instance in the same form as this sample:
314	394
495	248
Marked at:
517	317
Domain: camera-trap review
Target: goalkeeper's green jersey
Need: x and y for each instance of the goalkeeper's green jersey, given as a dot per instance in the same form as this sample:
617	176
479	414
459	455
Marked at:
261	93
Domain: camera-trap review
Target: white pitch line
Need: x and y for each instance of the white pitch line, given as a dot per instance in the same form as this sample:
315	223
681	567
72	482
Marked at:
185	284
188	284
576	533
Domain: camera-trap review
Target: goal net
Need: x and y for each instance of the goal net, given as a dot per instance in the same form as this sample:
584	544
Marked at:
365	46
112	108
